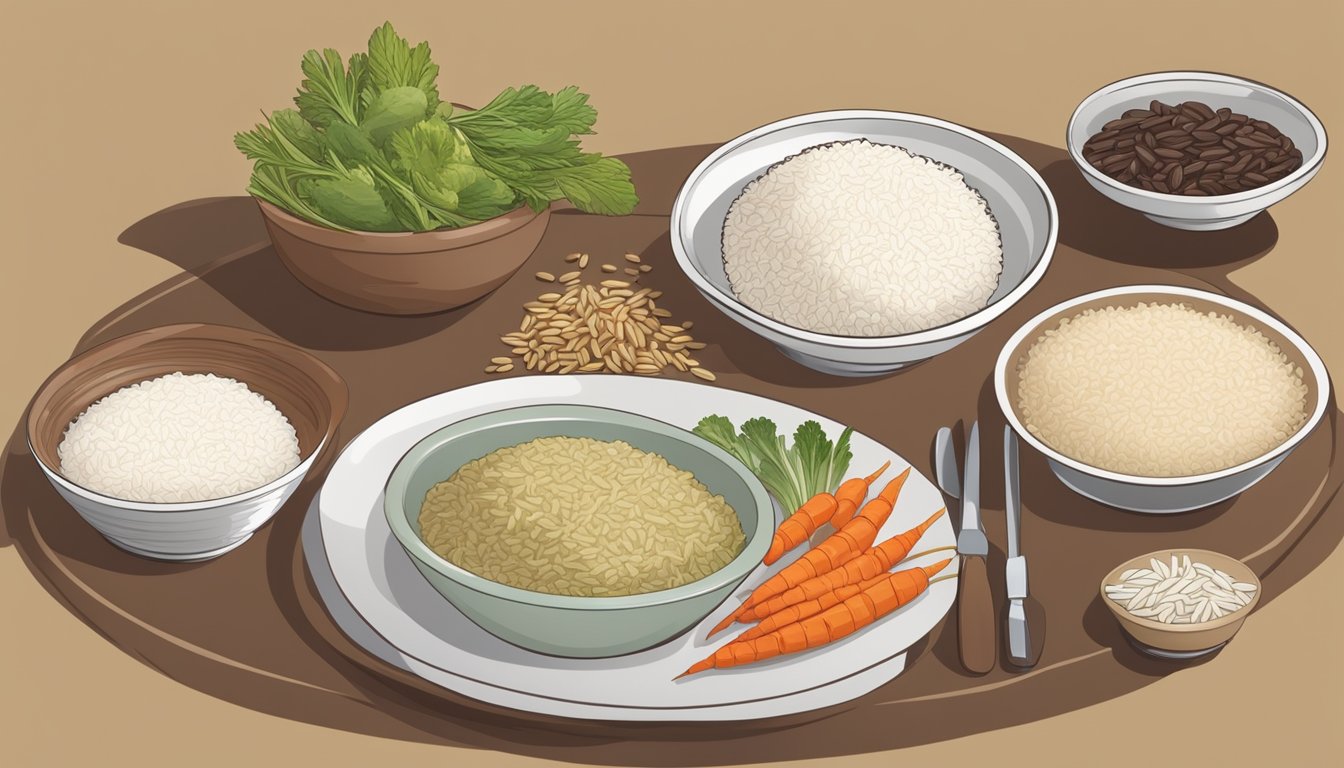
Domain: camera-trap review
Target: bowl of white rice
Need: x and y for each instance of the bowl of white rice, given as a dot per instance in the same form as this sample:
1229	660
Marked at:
863	241
1160	398
178	442
578	531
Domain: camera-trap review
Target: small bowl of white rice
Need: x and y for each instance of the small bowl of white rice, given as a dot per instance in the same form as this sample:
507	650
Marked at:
859	242
1160	398
1181	604
178	442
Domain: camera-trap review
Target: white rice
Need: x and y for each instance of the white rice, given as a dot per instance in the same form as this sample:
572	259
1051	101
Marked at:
178	438
577	516
1180	591
1159	390
862	239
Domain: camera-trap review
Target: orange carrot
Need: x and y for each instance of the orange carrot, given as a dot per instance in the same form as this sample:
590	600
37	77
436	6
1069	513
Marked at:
836	550
855	613
874	562
851	494
800	526
787	615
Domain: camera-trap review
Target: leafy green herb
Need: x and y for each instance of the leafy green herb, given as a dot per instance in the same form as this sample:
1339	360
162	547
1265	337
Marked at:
373	147
792	474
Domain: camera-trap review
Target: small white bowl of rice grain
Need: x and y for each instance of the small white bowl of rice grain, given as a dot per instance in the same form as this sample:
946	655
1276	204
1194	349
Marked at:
1159	398
859	242
178	442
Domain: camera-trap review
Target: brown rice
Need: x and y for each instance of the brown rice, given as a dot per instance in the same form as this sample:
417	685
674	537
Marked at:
583	517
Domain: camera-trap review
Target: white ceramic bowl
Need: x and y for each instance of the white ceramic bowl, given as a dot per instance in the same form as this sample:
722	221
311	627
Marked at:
304	389
1017	196
1162	494
1246	97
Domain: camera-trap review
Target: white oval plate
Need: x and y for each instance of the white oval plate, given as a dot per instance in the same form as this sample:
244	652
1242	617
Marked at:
396	615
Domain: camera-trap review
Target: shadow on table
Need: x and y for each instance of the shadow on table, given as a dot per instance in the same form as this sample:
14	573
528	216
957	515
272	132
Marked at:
223	242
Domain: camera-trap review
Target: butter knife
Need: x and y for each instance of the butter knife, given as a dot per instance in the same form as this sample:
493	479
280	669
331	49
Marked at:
976	621
1019	631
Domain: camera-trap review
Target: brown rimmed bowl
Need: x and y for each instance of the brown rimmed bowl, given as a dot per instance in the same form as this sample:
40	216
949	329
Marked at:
1182	641
405	273
307	391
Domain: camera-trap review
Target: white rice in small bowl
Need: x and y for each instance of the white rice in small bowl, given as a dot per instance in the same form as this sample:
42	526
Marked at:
179	438
854	238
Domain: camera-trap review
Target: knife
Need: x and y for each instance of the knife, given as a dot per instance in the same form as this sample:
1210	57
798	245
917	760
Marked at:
977	643
1019	633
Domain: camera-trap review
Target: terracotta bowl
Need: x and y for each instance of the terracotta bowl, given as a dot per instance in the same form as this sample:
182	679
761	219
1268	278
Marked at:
405	273
308	392
1182	641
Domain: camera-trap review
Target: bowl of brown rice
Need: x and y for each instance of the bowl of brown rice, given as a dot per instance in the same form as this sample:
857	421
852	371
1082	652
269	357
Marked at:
578	531
1160	398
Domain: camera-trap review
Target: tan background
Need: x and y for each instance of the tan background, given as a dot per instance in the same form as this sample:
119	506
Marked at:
114	113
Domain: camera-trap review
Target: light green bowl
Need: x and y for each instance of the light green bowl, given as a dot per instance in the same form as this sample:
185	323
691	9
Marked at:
563	625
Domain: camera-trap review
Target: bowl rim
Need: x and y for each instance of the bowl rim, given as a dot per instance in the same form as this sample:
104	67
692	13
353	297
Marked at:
1310	165
1033	327
1225	620
330	383
745	561
398	243
968	324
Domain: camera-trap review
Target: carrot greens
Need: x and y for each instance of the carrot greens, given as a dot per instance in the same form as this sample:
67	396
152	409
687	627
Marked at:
793	474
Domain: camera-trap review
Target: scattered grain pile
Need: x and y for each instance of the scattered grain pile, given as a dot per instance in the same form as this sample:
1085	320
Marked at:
613	326
577	516
1159	390
1180	592
178	438
862	239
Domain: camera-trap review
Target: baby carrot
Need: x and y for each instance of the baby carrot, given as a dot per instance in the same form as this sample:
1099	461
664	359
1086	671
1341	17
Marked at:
836	550
860	532
800	526
855	613
874	562
851	494
788	614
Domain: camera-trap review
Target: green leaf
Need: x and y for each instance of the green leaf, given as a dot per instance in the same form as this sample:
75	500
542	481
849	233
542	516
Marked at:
281	188
291	126
330	93
392	110
719	431
485	197
351	145
601	186
792	475
776	469
393	63
841	455
428	146
812	453
268	146
353	201
526	107
570	110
